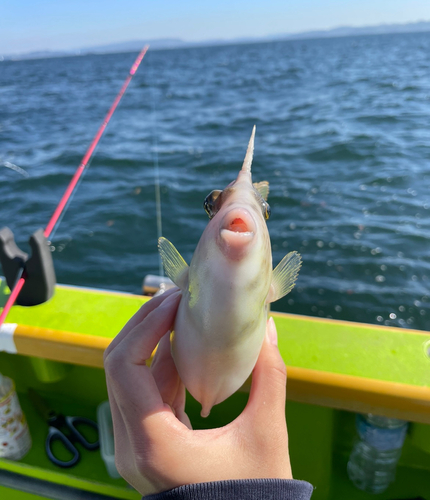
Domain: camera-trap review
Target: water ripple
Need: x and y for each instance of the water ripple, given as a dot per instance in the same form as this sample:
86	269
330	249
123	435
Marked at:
342	137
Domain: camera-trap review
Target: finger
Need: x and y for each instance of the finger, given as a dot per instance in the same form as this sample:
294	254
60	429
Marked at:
269	378
171	388
164	371
141	314
135	389
121	438
144	337
179	406
138	344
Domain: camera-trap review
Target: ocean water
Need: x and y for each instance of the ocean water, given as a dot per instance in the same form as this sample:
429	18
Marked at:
343	137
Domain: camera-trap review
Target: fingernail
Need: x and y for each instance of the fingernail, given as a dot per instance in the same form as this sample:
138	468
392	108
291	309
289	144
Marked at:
271	332
171	298
166	293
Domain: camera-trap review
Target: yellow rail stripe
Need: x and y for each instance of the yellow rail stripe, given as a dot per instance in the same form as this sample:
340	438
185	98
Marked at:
58	345
304	385
359	394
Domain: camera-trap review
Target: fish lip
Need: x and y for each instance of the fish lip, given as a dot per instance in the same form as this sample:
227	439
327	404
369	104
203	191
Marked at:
241	214
235	242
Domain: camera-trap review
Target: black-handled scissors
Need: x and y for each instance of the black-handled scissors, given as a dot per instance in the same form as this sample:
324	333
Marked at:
63	429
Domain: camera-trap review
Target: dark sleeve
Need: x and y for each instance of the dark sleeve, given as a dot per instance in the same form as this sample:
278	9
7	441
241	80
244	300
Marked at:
249	489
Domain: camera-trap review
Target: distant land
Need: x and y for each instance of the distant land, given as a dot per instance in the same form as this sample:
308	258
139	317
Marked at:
176	43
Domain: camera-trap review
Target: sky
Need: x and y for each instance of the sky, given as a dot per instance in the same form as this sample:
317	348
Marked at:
33	25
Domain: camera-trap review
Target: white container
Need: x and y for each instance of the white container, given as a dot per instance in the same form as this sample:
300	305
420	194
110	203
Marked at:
15	440
107	446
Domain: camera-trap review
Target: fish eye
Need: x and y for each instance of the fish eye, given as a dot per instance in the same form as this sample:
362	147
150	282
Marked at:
208	208
212	203
266	210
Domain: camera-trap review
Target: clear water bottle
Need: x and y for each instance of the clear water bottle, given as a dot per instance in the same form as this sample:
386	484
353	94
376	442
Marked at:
373	460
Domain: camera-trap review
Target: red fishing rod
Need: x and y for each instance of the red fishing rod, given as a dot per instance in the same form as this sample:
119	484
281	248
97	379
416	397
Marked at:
22	274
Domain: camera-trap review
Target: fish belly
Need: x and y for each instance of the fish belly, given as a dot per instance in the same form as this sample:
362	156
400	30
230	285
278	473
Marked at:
213	356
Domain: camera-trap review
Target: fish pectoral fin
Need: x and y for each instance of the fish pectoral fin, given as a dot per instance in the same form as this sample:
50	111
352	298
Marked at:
174	265
263	188
284	276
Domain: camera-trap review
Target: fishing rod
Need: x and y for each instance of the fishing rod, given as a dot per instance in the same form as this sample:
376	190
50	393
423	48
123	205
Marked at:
22	273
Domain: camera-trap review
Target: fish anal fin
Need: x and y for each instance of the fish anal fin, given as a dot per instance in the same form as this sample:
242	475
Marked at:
174	265
284	276
263	188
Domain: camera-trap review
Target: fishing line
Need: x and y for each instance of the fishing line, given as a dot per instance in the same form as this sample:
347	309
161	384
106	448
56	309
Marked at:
53	222
157	179
158	202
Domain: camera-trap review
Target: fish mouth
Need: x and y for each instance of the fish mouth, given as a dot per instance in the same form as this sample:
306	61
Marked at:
237	231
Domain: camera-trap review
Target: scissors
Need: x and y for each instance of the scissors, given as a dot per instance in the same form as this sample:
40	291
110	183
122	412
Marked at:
63	429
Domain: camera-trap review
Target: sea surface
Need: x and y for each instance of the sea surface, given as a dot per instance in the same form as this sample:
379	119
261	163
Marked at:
343	137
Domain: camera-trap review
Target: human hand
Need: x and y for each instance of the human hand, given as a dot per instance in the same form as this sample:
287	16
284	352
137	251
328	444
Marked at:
155	447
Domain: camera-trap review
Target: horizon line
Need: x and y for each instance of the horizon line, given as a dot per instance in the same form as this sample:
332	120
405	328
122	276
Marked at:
181	43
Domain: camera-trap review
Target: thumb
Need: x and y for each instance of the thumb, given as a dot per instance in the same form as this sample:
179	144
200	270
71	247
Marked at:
269	378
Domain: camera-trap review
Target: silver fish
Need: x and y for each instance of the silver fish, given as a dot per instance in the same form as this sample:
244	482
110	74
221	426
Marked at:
221	320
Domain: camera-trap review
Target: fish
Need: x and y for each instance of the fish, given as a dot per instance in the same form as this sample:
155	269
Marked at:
226	290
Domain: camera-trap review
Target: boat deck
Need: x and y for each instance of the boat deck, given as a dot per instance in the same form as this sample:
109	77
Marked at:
334	368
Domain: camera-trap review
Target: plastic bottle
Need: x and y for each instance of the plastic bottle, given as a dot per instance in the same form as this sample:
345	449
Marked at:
15	440
373	460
